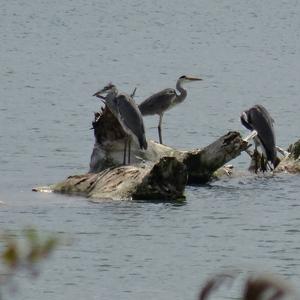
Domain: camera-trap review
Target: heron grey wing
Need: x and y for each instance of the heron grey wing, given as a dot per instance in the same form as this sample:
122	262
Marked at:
265	113
131	118
158	103
261	121
112	103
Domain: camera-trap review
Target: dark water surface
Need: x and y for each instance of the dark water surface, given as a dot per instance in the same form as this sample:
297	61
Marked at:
55	54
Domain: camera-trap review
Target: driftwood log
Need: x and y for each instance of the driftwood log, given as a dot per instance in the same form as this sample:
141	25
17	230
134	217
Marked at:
160	172
291	163
200	163
163	180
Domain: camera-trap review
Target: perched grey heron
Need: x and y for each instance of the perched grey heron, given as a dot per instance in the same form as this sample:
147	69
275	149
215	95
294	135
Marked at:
164	100
258	118
127	113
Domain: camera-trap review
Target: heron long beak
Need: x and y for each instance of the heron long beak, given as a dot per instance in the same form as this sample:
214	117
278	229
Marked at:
193	78
98	94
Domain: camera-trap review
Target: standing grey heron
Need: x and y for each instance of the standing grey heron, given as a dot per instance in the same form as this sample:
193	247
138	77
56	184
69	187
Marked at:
164	100
127	113
258	118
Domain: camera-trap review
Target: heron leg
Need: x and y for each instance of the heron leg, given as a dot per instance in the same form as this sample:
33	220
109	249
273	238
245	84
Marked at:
270	167
159	128
129	149
125	148
256	157
265	164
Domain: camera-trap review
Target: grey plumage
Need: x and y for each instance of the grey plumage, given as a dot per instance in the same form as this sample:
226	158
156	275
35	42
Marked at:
160	102
164	100
131	119
258	118
127	113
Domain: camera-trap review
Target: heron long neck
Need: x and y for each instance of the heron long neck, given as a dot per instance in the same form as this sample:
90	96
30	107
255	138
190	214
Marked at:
112	93
111	100
182	91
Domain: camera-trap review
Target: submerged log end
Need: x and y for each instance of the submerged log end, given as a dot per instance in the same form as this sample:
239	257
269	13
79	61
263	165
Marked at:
76	184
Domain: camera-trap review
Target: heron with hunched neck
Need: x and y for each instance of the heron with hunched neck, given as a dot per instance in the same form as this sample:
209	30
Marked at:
127	113
258	119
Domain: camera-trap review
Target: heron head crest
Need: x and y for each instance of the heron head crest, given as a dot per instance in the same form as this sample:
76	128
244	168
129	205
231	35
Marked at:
109	87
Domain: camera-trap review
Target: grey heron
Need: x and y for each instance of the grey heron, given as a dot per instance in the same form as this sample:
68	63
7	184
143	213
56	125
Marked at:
258	118
164	100
127	113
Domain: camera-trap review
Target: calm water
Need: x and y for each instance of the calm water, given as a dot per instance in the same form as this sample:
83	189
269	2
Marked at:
55	54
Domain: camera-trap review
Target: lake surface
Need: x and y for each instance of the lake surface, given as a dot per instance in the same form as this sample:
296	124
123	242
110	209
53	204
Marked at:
55	54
